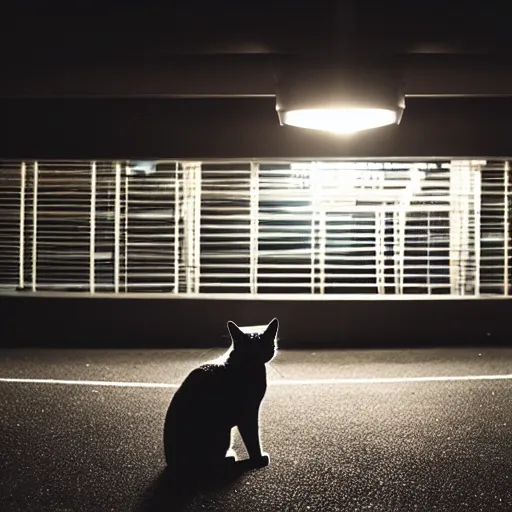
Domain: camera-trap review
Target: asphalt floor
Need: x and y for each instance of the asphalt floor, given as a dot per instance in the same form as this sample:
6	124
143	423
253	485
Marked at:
346	430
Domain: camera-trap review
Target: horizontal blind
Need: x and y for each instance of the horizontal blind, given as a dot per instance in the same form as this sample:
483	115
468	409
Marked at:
103	216
366	228
63	225
258	227
287	232
225	228
148	238
495	229
423	240
11	190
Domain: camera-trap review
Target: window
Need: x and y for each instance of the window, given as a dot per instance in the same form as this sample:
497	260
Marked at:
256	227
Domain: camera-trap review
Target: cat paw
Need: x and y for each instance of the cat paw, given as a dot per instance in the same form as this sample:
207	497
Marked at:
231	453
261	462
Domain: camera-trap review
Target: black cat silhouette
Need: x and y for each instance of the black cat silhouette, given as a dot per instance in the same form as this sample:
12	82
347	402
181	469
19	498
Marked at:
214	398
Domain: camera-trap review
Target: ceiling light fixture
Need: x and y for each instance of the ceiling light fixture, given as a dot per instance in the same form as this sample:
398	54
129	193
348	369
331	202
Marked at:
339	100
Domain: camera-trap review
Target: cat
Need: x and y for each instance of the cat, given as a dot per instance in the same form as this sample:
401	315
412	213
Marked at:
214	398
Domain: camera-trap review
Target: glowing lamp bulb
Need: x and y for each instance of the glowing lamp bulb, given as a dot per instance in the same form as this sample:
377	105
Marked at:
342	120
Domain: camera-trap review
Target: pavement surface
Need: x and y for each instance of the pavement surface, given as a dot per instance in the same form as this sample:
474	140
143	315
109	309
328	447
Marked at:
388	430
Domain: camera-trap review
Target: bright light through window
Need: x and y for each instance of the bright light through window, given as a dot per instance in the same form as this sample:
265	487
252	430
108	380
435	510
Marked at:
340	121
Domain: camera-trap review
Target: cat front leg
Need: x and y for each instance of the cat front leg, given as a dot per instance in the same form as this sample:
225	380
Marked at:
248	426
231	455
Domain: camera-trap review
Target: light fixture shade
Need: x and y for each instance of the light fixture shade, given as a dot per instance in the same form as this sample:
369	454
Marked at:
339	100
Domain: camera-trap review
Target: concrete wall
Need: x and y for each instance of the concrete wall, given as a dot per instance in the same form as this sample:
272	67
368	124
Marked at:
175	322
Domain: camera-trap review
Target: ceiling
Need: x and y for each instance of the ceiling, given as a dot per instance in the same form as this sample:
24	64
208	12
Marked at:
218	48
58	31
208	48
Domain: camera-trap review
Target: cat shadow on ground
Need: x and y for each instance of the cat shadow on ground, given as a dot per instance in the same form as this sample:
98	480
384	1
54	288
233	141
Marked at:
174	492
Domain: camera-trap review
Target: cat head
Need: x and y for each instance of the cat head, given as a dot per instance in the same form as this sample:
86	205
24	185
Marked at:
259	348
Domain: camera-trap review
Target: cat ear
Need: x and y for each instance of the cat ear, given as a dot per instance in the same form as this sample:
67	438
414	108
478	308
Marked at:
271	330
234	331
